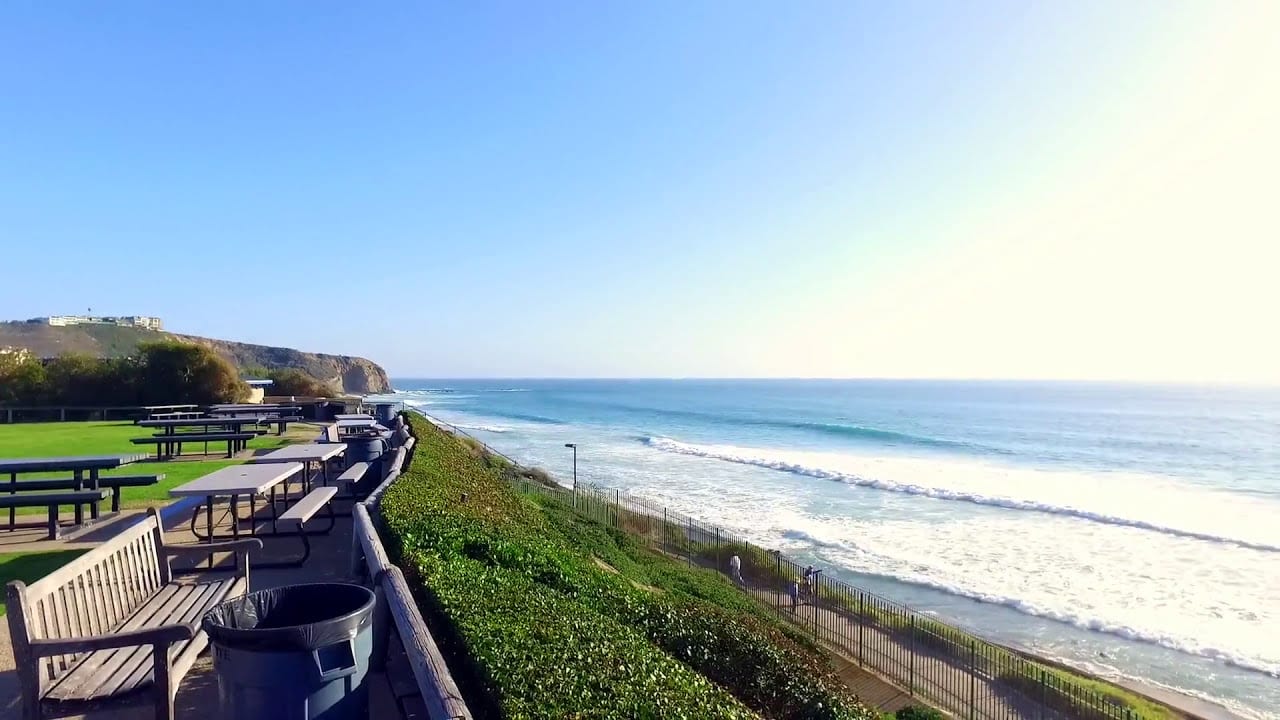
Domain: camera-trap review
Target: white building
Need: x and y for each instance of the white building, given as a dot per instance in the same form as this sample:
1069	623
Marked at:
142	321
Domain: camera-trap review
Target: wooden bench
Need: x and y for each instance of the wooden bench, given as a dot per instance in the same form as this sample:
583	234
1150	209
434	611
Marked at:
113	622
55	500
173	443
300	512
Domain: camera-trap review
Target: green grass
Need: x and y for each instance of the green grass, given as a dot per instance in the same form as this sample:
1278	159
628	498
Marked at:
29	567
112	438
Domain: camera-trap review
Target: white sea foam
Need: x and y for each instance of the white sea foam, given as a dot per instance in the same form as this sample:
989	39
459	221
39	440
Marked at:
778	461
483	428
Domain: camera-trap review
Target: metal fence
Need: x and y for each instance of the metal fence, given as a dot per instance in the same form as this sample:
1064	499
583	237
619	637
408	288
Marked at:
943	665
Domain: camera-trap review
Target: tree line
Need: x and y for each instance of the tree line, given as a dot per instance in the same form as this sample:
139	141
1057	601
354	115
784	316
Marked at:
158	373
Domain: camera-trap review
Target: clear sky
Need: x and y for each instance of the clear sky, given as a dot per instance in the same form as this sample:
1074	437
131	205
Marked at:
1000	189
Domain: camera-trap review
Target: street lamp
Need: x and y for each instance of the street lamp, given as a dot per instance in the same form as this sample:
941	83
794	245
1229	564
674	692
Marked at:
575	463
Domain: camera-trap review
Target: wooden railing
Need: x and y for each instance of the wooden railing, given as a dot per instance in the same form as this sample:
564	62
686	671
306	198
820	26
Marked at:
439	693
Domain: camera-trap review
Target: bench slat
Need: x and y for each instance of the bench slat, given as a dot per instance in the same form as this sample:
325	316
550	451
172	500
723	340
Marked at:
190	611
44	499
308	506
75	683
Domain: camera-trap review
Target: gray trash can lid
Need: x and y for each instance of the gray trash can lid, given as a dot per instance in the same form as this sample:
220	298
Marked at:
293	617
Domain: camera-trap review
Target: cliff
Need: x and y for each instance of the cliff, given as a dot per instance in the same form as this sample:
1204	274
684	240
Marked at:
346	373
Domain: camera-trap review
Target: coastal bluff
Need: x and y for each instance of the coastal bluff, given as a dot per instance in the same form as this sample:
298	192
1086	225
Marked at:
347	373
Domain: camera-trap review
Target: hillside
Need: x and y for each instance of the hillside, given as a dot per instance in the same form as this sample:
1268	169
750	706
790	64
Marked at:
351	374
545	612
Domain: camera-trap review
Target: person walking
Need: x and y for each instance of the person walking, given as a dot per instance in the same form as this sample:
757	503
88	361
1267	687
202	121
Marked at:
794	591
735	569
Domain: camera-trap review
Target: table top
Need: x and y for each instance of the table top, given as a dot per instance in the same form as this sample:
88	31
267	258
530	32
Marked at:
238	480
292	453
196	422
168	407
81	462
352	416
355	422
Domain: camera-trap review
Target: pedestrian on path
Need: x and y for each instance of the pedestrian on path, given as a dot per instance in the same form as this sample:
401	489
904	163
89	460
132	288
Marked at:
794	591
735	569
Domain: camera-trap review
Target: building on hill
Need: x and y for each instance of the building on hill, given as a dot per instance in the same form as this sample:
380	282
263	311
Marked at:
140	321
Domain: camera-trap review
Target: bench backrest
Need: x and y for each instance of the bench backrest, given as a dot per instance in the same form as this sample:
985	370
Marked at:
91	595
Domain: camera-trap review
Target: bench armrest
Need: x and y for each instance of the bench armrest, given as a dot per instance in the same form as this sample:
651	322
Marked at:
243	544
165	634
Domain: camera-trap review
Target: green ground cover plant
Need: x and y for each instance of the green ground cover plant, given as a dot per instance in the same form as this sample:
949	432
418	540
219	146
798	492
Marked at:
548	614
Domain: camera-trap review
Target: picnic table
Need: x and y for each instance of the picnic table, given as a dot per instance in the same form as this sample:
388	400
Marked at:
85	470
169	427
305	454
232	483
353	416
154	410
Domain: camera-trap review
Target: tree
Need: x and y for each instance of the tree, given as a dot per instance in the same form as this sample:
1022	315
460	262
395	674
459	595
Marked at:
22	379
183	372
295	382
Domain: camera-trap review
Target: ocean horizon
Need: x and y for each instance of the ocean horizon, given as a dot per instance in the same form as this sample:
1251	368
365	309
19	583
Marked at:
1129	529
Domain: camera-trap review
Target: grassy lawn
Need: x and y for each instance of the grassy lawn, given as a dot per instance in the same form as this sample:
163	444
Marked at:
112	438
29	567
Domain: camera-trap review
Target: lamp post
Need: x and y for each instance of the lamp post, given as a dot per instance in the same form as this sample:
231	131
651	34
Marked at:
574	446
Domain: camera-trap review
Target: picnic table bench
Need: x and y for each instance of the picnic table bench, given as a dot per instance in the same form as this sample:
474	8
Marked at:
171	445
78	499
113	621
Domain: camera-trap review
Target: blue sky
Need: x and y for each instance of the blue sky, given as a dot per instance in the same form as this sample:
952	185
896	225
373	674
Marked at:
838	189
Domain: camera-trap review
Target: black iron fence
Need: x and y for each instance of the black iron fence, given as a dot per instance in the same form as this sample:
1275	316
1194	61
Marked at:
943	665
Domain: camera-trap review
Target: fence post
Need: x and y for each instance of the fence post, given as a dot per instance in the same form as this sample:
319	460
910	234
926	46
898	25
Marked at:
973	676
664	531
719	564
1044	693
911	665
689	539
862	623
617	507
814	600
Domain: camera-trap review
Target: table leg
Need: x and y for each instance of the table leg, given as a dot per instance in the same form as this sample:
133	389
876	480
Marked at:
208	523
78	478
253	514
235	517
324	471
13	490
275	511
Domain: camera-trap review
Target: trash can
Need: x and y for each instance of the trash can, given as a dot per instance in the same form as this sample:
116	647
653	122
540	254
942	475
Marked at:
385	413
368	446
299	652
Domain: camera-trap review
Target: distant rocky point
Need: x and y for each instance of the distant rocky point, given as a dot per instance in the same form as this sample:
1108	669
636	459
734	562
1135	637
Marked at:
349	374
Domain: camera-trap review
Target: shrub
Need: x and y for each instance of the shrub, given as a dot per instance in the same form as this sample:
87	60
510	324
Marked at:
298	383
915	712
517	585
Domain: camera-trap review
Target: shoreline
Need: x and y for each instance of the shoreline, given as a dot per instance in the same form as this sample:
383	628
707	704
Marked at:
1190	707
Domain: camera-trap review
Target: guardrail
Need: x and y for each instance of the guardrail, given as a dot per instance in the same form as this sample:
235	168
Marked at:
944	665
395	606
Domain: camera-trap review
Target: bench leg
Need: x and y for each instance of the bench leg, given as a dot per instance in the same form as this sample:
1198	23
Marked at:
93	510
164	689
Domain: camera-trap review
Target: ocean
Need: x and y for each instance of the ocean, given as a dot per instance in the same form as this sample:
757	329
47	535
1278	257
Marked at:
1130	530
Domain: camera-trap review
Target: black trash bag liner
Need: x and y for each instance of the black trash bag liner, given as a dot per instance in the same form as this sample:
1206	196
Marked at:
294	617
